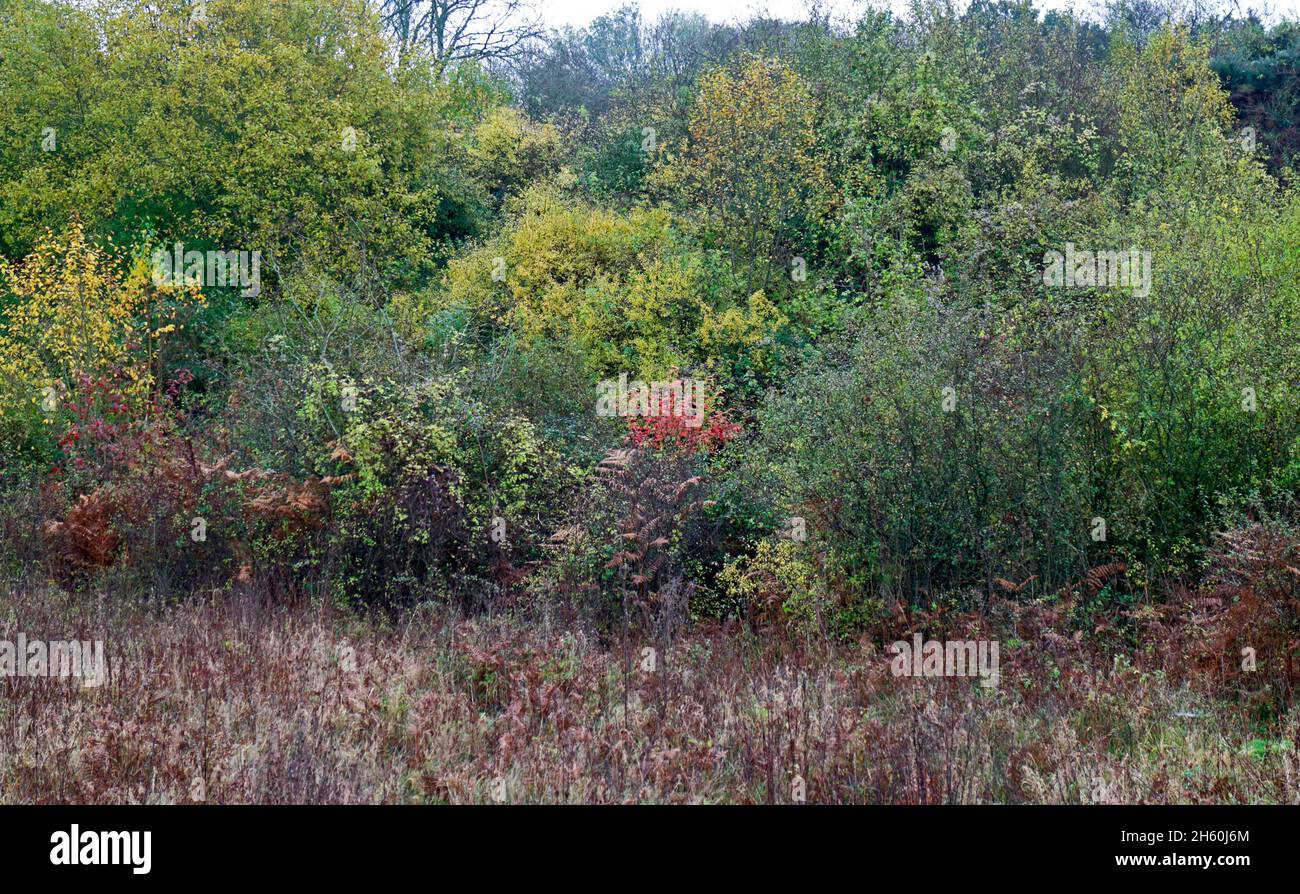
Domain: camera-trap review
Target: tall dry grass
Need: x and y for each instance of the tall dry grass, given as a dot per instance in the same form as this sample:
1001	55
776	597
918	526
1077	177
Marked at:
233	699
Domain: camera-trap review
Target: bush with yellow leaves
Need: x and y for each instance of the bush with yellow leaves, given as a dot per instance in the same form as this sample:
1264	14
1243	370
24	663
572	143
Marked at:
630	289
777	586
68	310
507	150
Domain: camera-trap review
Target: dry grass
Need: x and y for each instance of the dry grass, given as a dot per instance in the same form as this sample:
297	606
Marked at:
226	699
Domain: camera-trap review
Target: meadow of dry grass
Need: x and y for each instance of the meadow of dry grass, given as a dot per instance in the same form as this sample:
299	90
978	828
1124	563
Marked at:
232	699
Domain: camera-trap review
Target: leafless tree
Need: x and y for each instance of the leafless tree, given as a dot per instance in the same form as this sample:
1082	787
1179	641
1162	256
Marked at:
461	30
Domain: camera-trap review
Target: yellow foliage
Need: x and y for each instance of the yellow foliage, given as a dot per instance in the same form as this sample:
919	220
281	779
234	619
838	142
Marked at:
776	584
624	287
748	326
507	150
751	162
565	270
70	311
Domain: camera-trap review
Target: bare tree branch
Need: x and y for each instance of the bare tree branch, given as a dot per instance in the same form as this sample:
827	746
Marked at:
462	30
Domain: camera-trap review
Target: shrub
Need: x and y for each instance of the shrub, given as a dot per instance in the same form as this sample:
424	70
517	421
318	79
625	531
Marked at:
71	315
629	290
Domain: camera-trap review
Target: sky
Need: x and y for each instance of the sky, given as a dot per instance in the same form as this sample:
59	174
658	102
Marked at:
580	12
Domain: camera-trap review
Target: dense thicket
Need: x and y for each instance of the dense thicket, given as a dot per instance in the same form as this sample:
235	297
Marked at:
844	234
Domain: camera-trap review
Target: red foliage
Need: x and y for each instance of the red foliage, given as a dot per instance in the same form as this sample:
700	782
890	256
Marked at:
672	430
112	431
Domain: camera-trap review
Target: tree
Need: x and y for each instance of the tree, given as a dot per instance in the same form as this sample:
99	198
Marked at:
749	162
71	314
321	156
462	30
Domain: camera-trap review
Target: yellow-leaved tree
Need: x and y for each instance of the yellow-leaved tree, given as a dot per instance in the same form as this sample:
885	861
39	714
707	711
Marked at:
750	163
73	309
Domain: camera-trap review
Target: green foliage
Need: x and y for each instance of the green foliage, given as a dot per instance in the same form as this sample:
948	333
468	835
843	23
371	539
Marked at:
748	163
275	128
844	231
630	290
1260	68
